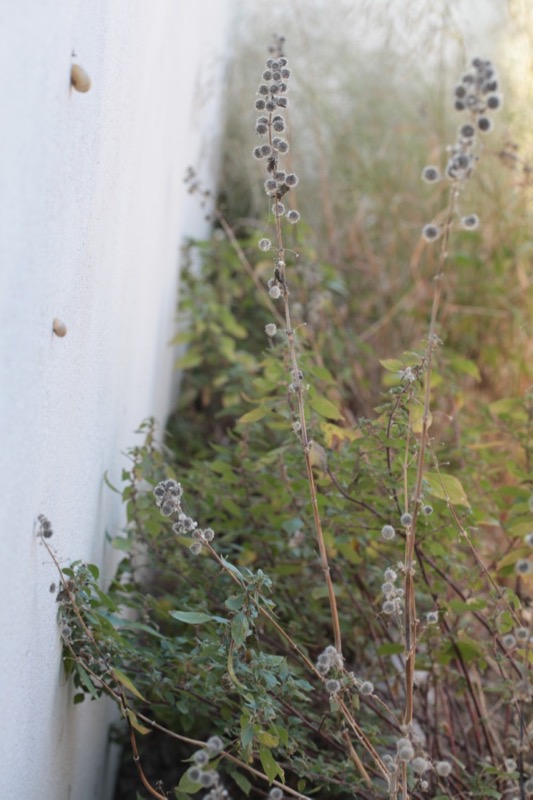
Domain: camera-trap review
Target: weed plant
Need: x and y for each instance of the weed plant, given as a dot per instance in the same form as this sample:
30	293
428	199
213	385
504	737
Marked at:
326	578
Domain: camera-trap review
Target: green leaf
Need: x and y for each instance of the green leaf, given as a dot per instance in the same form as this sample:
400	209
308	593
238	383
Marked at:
189	360
86	681
520	527
230	324
195	617
468	649
390	649
446	487
121	543
109	484
242	782
466	366
234	603
231	670
392	364
270	767
324	407
105	599
131	625
247	735
240	628
134	722
509	406
505	622
253	416
127	683
232	568
349	551
268	739
459	606
486	791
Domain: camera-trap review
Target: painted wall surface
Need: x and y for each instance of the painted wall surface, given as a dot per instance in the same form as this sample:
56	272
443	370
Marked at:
92	213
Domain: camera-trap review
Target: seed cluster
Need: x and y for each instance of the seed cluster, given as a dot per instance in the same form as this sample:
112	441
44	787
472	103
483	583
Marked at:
393	603
477	94
208	778
271	99
329	659
168	496
45	527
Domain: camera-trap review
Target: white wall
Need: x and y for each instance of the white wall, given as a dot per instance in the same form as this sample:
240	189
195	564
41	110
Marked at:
92	210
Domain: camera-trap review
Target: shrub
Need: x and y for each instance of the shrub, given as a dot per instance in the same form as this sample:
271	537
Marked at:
309	596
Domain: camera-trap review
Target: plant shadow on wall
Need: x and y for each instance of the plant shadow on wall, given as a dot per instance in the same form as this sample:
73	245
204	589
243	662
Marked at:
325	588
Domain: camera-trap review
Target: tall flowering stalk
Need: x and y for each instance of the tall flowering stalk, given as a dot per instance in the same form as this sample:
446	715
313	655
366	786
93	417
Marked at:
477	95
271	125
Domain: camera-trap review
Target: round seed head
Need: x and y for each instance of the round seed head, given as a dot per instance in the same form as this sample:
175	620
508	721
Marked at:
388	532
494	102
485	124
523	566
195	774
508	641
420	765
443	768
280	145
470	223
201	757
467	131
406	752
431	174
389	607
522	634
431	232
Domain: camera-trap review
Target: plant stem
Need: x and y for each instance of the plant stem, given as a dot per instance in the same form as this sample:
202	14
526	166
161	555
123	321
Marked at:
411	622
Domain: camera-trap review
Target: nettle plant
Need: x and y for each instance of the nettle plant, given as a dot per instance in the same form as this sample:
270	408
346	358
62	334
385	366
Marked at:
312	603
